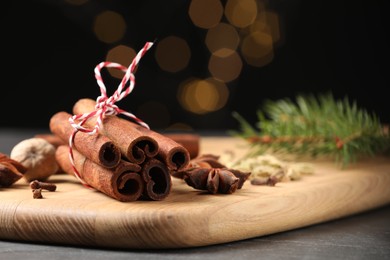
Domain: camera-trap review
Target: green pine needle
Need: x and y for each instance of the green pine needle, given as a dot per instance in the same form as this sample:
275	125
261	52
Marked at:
315	126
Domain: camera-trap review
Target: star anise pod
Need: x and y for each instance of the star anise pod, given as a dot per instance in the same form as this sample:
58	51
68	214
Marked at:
202	161
205	172
207	161
215	180
10	170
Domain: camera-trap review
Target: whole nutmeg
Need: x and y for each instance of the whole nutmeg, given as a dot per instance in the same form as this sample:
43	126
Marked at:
38	156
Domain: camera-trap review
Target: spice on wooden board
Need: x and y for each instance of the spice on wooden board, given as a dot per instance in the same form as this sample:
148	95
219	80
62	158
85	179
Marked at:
10	170
207	173
215	180
173	154
190	141
37	193
98	148
123	182
137	142
38	186
38	156
208	161
267	169
157	179
35	184
154	156
134	145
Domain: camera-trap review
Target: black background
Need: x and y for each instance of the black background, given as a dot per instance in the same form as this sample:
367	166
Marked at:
49	52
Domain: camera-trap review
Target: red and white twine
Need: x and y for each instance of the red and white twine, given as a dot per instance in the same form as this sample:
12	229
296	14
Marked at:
106	105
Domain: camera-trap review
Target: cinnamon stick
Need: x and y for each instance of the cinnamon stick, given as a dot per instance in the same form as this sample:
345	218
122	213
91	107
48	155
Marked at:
123	182
98	148
157	178
133	144
190	141
173	154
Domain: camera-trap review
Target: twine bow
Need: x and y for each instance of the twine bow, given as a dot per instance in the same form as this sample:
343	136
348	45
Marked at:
105	105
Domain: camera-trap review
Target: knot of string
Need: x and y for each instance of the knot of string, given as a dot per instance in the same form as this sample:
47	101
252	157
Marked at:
105	106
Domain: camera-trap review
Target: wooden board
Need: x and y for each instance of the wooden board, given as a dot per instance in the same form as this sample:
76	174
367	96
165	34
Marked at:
75	215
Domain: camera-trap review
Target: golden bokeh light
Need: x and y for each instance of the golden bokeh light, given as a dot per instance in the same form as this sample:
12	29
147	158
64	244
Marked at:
109	26
205	13
201	96
226	68
222	40
154	113
267	22
257	49
249	25
223	52
241	13
273	24
76	2
173	54
121	54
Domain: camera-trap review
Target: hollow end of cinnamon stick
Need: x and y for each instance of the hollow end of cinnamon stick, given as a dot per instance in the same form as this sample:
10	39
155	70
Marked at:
123	182
141	148
98	148
177	158
158	182
130	184
109	155
133	144
173	154
126	184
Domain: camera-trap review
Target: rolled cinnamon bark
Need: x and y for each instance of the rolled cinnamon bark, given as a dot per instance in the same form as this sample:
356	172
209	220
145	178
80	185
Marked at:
190	141
157	179
173	154
98	148
133	144
123	182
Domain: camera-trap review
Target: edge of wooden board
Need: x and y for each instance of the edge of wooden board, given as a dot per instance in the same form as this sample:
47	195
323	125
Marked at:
74	215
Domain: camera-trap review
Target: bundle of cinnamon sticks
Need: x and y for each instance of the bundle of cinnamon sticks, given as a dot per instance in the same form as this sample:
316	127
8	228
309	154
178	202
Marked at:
124	160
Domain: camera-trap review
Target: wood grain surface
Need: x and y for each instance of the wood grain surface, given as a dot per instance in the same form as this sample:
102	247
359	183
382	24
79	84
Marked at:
75	215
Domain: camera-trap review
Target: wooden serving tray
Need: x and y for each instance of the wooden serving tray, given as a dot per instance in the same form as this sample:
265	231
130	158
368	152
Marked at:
75	215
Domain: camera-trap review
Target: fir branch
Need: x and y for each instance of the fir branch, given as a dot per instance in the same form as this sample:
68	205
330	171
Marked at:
315	125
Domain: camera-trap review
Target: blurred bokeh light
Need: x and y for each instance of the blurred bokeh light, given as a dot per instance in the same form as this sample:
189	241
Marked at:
208	58
121	54
205	13
172	54
241	13
225	68
222	40
202	96
257	49
109	26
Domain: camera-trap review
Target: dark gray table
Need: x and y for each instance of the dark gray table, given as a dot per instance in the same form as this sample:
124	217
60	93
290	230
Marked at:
361	236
